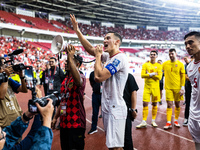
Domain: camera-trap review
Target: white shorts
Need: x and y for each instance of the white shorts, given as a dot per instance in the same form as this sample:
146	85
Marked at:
115	130
194	128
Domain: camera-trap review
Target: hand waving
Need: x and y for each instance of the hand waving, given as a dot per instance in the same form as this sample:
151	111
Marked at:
74	22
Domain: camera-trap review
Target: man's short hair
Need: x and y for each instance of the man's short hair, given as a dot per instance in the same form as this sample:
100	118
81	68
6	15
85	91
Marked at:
159	60
53	58
195	33
116	35
154	52
172	50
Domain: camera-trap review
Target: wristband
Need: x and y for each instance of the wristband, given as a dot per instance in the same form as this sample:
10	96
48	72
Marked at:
152	74
22	78
182	87
26	118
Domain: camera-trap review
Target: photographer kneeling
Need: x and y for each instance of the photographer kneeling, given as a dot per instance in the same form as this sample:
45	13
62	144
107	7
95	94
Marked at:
43	137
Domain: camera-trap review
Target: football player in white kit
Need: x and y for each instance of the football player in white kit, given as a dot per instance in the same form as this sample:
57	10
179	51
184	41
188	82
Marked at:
113	77
192	44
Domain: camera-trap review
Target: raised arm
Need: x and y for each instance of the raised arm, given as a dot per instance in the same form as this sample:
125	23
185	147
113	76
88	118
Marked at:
100	73
73	68
86	44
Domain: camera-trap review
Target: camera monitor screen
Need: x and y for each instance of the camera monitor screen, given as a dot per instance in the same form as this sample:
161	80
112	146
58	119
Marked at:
29	77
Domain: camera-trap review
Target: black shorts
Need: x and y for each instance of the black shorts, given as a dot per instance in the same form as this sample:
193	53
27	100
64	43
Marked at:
72	138
161	86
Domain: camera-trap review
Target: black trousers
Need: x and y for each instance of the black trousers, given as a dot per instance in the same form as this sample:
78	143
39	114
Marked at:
128	142
72	138
188	91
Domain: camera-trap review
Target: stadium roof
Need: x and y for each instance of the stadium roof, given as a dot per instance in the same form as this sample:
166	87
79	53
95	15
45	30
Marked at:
175	13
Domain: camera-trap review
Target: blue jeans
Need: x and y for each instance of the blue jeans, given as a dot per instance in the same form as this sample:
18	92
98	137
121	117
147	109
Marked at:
96	103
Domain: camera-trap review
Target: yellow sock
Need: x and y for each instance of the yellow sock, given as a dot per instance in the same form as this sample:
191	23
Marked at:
177	112
145	113
154	112
169	114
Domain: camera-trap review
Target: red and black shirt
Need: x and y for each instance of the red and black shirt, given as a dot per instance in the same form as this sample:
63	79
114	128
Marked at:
73	96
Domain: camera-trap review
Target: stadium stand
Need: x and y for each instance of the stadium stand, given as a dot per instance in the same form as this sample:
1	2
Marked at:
91	30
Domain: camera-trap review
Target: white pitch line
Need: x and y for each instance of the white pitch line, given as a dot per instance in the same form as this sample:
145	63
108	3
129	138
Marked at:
97	126
90	121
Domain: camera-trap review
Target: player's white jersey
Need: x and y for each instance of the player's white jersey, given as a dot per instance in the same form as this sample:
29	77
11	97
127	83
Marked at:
113	88
193	72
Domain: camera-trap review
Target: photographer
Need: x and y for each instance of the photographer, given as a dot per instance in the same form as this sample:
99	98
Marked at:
43	137
9	107
72	131
52	77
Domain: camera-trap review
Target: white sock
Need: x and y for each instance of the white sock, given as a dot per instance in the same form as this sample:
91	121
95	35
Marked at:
168	121
143	121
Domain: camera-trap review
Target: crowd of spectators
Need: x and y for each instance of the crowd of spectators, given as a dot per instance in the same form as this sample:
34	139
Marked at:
134	34
95	29
31	53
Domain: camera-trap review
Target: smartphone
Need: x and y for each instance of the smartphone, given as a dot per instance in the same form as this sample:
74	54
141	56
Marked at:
29	77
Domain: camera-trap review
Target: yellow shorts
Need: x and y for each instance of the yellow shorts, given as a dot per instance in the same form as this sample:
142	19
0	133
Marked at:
173	95
153	93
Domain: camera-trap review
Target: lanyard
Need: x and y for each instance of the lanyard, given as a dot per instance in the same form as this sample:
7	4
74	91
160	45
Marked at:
66	85
49	74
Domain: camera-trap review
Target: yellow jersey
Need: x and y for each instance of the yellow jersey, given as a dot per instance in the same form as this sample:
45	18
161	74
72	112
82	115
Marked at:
174	74
151	82
15	77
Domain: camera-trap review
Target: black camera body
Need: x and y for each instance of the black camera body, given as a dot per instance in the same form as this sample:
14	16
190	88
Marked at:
19	67
43	102
3	77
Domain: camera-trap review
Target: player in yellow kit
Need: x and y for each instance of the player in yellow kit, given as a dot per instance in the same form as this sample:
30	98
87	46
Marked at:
152	73
174	86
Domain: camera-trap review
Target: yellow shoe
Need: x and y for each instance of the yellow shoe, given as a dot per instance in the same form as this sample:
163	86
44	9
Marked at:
153	123
141	125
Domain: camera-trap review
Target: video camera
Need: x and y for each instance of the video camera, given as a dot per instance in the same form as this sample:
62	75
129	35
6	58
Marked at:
18	67
30	83
3	77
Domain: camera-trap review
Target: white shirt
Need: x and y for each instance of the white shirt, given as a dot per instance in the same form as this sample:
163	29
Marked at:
193	72
112	92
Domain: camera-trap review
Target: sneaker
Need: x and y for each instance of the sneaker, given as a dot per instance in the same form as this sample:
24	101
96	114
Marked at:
167	126
185	123
92	131
176	124
100	116
153	123
142	125
160	102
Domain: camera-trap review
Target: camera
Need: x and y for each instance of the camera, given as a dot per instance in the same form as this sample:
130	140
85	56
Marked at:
43	102
18	67
3	77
